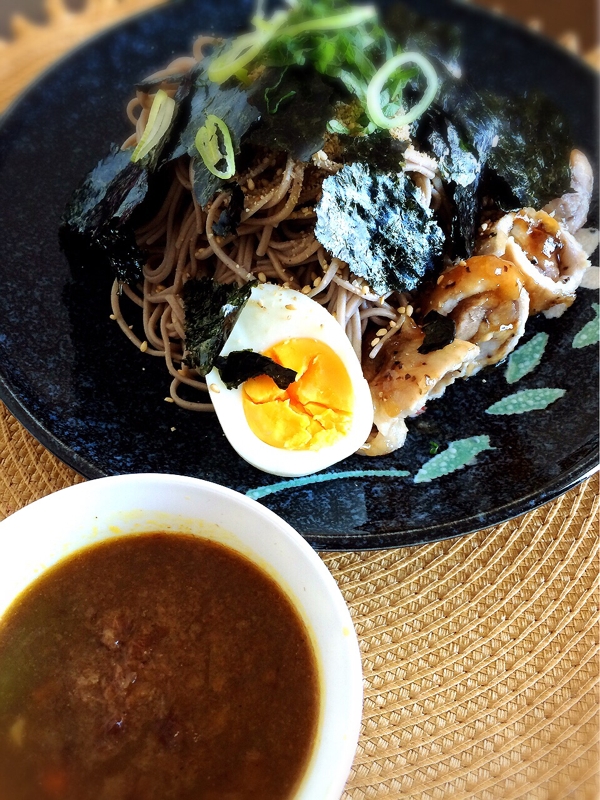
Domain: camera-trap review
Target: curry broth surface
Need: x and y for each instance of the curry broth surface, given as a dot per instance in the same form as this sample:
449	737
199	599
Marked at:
155	666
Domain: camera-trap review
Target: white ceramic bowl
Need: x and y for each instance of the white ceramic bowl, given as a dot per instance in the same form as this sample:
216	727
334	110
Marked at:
38	536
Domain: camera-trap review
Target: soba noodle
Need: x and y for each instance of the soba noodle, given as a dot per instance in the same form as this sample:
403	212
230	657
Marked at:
275	242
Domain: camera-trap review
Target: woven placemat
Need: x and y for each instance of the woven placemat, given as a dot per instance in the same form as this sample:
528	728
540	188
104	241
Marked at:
480	654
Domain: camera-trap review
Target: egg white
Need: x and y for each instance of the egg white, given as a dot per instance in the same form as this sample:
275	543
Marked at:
264	322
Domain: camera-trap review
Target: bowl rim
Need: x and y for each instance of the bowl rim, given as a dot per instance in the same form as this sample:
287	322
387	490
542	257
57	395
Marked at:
16	533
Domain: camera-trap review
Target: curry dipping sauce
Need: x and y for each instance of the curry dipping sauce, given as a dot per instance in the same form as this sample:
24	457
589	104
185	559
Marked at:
151	667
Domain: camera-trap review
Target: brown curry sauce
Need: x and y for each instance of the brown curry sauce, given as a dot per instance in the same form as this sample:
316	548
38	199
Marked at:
155	666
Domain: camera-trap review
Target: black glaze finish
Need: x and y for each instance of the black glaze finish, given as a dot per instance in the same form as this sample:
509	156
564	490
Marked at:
69	375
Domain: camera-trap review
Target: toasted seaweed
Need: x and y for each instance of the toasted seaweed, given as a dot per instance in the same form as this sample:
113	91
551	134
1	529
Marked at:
378	150
230	217
95	227
211	311
459	130
240	366
295	105
439	332
375	222
529	165
229	103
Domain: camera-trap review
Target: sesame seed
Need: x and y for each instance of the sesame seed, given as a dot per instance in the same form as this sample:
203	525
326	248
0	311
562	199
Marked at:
130	327
306	290
381	301
251	185
290	307
144	347
112	316
381	332
214	388
409	311
262	277
487	337
173	429
169	400
393	324
375	342
440	279
317	282
402	310
498	271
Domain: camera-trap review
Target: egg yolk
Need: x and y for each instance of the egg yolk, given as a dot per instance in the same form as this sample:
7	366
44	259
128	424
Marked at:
313	412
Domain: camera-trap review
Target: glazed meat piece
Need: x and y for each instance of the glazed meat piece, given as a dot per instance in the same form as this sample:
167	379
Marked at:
551	261
487	299
402	380
571	210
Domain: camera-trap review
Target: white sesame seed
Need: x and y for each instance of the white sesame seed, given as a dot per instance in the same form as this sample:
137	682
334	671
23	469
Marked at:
112	316
262	277
375	342
290	307
214	388
306	290
487	337
251	185
169	400
409	311
381	332
144	347
317	282
130	327
173	429
402	310
393	324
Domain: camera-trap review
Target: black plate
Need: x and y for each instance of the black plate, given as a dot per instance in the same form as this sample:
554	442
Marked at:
92	399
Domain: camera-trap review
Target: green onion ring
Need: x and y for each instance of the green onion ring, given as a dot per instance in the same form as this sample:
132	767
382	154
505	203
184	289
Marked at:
207	144
348	19
377	84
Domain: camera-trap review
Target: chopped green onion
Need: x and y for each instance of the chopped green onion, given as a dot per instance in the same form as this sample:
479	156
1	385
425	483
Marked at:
376	87
207	143
161	116
349	19
247	47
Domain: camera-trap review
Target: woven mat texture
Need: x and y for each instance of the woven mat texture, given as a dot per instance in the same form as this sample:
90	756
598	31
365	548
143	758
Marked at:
480	654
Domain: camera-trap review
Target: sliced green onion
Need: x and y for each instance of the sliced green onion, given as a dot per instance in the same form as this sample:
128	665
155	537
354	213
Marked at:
245	48
161	116
376	86
349	19
207	143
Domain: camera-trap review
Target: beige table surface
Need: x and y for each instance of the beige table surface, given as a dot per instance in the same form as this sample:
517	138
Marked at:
480	654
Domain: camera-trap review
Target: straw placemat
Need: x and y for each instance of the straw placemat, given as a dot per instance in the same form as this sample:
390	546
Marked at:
480	654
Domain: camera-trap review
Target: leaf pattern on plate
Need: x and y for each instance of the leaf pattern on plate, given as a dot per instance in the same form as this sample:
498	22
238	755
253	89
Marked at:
526	358
526	400
459	454
297	483
590	333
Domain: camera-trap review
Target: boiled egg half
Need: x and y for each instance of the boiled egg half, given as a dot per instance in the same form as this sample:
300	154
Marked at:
322	417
